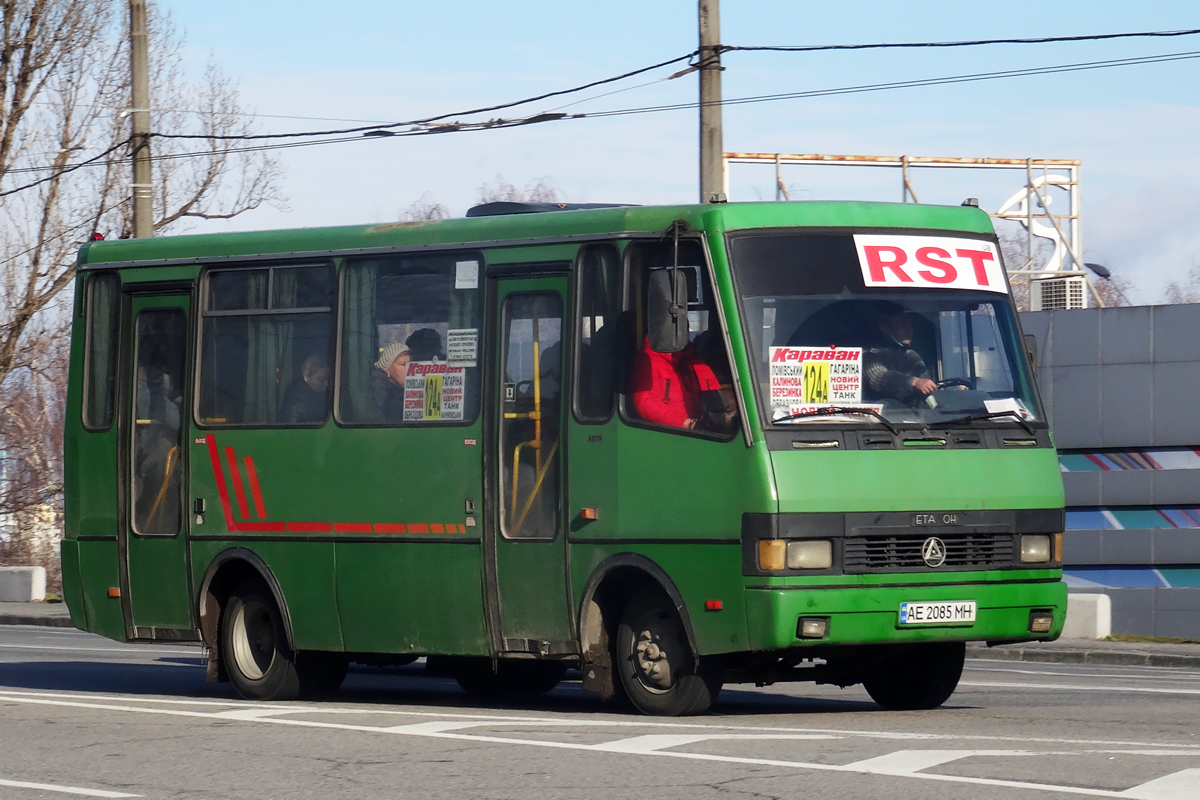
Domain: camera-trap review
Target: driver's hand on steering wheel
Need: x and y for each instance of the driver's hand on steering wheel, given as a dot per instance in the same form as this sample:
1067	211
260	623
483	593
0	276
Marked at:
924	385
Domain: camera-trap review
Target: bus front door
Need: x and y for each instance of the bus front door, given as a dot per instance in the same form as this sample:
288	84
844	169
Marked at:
527	585
153	466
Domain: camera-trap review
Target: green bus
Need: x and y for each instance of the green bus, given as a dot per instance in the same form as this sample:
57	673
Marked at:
670	447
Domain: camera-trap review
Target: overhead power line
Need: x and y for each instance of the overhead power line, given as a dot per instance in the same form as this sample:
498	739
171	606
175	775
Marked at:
688	57
814	48
58	173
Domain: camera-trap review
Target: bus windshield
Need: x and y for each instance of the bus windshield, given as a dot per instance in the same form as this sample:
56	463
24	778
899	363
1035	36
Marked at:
876	328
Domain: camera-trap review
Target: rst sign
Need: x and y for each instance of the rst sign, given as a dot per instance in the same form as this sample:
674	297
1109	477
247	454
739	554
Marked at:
929	262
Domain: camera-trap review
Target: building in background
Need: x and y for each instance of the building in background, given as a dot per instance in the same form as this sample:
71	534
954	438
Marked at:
1122	389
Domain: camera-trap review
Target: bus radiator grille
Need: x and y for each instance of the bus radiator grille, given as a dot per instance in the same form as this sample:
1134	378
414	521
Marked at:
964	551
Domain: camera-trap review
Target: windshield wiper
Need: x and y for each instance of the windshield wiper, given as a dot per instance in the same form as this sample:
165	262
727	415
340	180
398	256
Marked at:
994	415
837	411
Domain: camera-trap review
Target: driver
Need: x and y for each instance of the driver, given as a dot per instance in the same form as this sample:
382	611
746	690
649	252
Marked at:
892	368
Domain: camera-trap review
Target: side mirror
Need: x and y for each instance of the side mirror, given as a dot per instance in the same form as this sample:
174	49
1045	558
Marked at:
1031	350
666	312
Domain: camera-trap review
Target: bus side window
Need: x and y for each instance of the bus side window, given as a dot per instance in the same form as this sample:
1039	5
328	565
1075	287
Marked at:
599	308
267	336
100	369
691	389
410	340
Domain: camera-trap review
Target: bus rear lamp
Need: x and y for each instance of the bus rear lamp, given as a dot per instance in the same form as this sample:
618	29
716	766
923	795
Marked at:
816	554
1040	621
1035	549
772	555
812	628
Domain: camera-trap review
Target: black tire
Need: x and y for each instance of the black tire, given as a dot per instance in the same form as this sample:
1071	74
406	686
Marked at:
321	673
654	661
254	648
476	677
923	678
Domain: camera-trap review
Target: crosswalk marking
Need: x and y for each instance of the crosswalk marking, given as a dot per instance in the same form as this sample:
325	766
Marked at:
1182	785
906	762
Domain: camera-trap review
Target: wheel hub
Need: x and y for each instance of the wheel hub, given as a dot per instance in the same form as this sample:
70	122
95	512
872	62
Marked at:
657	653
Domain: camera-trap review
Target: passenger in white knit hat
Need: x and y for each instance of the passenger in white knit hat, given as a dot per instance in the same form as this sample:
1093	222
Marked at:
393	362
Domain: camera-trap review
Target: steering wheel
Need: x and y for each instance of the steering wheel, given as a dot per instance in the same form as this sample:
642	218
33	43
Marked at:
966	383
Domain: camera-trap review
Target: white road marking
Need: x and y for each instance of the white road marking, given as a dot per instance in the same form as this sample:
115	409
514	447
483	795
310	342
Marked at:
662	753
1184	785
252	713
50	787
89	701
1078	688
906	762
657	741
1180	675
130	650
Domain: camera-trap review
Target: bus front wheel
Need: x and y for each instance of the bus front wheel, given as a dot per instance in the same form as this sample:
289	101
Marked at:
254	646
923	678
658	671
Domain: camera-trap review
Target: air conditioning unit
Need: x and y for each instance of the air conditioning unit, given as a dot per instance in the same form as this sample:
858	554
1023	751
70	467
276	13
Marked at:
1058	294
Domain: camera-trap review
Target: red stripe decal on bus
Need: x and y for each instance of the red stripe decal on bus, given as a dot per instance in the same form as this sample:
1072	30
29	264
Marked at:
418	527
435	528
219	477
308	527
257	527
351	527
462	528
252	478
389	527
235	475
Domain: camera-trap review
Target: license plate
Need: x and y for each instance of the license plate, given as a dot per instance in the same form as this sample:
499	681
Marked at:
957	611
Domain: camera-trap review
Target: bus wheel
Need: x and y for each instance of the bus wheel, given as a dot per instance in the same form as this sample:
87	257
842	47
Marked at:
254	647
658	671
924	678
476	677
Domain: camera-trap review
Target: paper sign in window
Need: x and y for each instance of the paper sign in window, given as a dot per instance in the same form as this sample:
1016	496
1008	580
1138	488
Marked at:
433	391
815	376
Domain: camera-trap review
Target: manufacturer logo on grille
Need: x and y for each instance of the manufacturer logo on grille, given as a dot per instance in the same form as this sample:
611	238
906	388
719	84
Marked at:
933	552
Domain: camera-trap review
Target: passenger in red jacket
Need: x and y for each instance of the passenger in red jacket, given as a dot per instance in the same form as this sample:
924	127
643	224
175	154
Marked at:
665	387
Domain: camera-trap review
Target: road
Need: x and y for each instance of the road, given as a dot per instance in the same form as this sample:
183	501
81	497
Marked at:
84	716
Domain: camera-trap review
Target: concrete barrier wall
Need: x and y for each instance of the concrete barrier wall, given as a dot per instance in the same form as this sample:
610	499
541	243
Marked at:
1089	616
22	584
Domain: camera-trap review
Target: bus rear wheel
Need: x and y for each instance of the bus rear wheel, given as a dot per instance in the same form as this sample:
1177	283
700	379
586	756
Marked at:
658	671
254	647
923	678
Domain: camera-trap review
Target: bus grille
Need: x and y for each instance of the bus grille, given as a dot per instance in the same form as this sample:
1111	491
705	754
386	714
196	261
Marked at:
903	553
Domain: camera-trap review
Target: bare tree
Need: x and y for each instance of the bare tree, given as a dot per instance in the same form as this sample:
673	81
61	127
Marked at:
424	209
64	173
540	191
1186	292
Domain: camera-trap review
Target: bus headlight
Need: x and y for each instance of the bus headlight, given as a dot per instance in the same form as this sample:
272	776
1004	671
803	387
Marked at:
771	554
1035	549
815	554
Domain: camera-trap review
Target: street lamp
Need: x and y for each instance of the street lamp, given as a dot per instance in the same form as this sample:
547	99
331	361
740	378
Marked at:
1105	273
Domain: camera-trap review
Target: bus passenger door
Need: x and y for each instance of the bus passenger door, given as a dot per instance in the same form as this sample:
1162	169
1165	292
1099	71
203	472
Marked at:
527	587
153	466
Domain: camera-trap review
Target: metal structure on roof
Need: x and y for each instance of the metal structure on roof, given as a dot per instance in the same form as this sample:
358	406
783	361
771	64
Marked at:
1062	273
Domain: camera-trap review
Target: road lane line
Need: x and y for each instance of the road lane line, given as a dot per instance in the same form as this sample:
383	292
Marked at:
1070	688
1177	676
1183	785
499	719
133	649
905	762
50	787
657	741
478	739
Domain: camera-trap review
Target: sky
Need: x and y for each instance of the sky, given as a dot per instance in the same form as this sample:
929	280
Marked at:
1134	128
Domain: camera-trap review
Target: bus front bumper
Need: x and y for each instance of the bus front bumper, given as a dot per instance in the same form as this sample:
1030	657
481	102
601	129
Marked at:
871	614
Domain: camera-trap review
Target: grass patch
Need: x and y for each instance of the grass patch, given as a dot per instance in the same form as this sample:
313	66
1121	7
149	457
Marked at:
1139	639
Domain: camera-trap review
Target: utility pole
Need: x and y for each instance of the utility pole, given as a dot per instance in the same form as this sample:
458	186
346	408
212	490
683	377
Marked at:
712	152
139	61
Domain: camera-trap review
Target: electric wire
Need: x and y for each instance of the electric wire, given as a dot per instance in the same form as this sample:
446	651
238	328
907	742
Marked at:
1095	37
66	169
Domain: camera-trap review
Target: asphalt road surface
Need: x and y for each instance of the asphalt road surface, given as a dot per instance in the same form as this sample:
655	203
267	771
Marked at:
84	716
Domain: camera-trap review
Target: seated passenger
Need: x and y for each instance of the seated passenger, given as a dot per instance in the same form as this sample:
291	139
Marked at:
305	398
892	369
720	405
665	388
425	344
387	381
